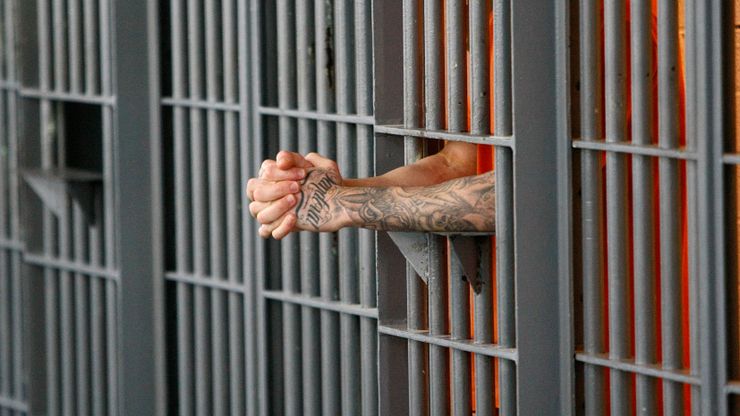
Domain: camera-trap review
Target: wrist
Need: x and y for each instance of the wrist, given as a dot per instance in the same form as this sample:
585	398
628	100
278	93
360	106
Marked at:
347	217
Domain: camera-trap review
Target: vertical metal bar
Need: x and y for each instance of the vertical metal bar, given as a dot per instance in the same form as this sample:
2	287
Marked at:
97	333
460	319
670	241
66	314
412	105
346	154
75	45
591	205
642	201
50	282
231	19
111	295
10	16
325	103
535	64
708	78
479	124
82	297
616	126
137	210
439	377
182	213
504	200
199	217
60	46
309	242
365	168
457	121
90	53
216	205
246	33
251	161
692	196
290	259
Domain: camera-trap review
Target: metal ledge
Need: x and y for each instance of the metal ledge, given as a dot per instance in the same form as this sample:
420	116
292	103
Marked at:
54	186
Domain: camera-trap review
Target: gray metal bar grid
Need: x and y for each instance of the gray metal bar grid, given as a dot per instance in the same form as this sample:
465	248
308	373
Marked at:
77	256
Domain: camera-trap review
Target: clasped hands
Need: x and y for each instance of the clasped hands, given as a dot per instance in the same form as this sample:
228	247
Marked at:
294	192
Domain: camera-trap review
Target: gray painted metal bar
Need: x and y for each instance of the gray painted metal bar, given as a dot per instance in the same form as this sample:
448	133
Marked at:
309	242
412	117
480	72
236	355
446	135
635	149
534	96
439	371
457	121
182	211
591	205
504	201
616	188
708	76
201	330
670	208
642	203
290	254
366	238
328	266
347	237
216	205
655	371
692	196
138	239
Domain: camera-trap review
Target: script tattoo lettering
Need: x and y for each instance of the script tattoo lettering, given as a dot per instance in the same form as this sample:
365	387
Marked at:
314	207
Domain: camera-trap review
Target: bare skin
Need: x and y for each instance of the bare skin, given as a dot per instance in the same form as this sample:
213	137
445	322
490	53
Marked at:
437	193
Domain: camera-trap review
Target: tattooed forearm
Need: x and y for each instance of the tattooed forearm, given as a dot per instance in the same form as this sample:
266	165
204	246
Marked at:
464	204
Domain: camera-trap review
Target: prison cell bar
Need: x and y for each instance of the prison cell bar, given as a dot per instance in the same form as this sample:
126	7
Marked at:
412	117
480	72
62	59
328	266
199	217
216	174
504	201
75	44
78	229
290	255
7	333
670	241
183	236
9	17
95	242
642	194
457	122
691	191
348	237
236	356
366	238
439	372
619	336
309	242
111	290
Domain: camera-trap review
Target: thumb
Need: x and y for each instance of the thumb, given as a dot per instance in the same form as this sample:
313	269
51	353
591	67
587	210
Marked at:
287	160
322	162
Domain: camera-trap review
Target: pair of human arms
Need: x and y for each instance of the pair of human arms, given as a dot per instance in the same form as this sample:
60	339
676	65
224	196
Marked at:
439	193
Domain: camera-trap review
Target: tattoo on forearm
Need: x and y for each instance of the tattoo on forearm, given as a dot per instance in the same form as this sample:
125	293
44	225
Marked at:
464	204
317	205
